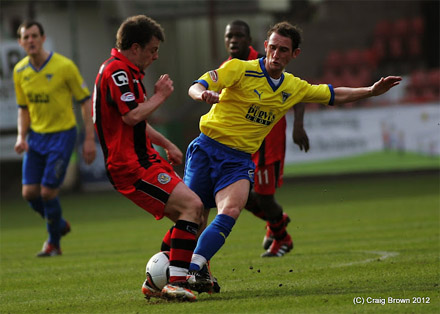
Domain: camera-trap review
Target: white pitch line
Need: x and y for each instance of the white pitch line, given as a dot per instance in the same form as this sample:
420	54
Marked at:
382	256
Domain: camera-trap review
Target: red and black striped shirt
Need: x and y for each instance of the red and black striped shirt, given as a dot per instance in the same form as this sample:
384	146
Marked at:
118	89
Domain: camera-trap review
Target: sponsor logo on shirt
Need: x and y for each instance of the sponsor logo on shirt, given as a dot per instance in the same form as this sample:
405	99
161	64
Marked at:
163	178
255	114
127	97
213	75
38	98
120	78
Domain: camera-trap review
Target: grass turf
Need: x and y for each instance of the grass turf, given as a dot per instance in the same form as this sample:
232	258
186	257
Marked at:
370	162
359	238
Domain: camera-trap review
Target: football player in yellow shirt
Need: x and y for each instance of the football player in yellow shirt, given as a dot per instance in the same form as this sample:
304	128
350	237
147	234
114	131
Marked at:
45	83
254	96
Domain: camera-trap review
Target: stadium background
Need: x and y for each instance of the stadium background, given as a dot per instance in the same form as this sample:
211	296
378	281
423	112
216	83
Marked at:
345	42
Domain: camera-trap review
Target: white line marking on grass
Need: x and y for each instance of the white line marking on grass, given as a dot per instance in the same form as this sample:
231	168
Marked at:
382	256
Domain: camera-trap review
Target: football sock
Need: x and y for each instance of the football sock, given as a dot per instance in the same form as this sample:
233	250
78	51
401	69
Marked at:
212	238
63	224
37	205
278	228
183	242
260	214
166	242
52	211
197	262
253	207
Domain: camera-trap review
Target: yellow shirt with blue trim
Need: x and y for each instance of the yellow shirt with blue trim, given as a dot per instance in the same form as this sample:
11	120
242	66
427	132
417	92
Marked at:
250	104
48	92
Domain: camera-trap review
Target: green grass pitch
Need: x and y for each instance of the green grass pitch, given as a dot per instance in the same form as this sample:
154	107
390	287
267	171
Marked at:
366	240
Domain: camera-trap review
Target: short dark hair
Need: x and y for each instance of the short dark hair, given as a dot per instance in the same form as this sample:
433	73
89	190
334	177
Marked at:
138	29
242	23
287	30
29	24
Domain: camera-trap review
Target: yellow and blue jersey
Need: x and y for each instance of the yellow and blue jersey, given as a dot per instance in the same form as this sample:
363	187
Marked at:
251	104
48	92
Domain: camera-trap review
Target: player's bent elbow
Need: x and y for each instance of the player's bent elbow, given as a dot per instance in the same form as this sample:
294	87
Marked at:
130	119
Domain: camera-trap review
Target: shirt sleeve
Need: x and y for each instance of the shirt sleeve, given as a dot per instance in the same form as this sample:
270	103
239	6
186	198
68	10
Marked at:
322	94
122	90
19	95
227	75
76	83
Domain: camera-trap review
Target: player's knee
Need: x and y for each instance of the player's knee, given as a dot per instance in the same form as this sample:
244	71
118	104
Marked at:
195	209
188	208
30	194
233	212
48	193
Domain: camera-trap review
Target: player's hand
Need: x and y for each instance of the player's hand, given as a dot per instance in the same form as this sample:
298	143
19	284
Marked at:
21	146
300	138
174	155
210	97
89	151
384	85
164	86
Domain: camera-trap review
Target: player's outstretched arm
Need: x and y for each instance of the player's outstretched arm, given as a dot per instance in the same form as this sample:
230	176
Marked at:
200	93
347	94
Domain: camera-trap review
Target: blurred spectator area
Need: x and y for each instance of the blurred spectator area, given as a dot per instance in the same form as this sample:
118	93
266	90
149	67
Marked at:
396	47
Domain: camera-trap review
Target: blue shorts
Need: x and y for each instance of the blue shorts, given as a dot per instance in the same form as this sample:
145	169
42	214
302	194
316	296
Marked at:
48	156
211	166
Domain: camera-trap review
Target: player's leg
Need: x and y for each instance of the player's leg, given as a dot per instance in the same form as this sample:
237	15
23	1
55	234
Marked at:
277	241
230	201
267	179
57	160
32	172
186	209
254	207
162	193
166	241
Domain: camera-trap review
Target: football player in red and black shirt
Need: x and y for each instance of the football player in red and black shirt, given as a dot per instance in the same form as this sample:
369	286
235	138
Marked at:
136	170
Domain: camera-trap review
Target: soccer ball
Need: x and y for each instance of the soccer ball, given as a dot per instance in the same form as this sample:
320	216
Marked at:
157	270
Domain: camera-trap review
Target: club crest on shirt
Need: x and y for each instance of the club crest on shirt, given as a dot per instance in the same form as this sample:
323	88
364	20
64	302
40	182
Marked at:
213	75
49	76
285	96
163	178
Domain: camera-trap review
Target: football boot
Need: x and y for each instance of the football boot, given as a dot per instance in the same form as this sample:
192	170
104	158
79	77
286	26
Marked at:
49	250
279	247
178	291
268	238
